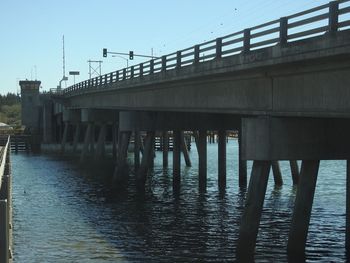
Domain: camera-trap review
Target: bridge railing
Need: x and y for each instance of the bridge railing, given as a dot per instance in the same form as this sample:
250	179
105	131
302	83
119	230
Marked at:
327	18
5	202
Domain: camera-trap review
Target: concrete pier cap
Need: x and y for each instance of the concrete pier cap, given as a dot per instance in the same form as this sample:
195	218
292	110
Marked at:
99	115
72	116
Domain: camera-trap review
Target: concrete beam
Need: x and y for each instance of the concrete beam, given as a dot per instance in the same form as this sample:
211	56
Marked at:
72	116
164	121
273	138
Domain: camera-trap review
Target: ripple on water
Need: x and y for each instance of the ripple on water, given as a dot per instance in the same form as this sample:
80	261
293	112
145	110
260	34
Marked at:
66	213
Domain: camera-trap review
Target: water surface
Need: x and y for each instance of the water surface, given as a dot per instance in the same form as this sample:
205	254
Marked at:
67	213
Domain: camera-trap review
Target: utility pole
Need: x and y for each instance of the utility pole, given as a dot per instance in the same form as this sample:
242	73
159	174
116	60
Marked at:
94	68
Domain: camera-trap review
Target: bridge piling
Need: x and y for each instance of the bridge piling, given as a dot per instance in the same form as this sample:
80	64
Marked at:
165	143
302	208
121	168
294	168
242	164
184	150
100	147
92	139
277	175
252	213
64	137
87	140
222	160
176	160
76	137
145	162
202	160
137	143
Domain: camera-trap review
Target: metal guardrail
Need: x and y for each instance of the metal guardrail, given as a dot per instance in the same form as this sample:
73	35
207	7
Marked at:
327	18
5	203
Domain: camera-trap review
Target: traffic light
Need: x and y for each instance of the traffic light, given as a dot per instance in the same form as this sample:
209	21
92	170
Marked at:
131	55
105	52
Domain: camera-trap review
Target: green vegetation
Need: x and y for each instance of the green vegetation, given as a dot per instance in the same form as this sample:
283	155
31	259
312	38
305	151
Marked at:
10	109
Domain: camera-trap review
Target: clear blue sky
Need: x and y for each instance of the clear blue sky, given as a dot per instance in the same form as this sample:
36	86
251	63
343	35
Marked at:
31	31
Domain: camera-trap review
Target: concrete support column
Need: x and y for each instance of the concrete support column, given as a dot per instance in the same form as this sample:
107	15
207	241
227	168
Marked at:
100	148
165	143
242	169
87	140
222	159
277	175
92	140
64	137
115	140
294	168
146	159
185	150
76	137
176	160
137	145
202	160
302	208
121	169
252	213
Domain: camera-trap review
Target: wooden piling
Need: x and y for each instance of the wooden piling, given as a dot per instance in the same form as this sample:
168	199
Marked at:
302	208
252	213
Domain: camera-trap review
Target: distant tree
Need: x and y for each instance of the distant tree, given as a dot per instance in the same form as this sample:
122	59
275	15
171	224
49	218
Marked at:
9	99
10	109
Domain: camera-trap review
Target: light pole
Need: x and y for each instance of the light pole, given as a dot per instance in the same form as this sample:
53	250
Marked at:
127	60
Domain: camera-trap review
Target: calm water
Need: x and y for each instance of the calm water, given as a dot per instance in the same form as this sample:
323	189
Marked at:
66	213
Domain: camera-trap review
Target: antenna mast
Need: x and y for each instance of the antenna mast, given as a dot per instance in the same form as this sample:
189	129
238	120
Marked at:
64	59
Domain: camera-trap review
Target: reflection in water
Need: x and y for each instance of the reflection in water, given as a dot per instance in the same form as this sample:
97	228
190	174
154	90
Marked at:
67	213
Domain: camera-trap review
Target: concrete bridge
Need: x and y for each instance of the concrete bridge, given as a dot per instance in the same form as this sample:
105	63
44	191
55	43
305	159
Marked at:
283	84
